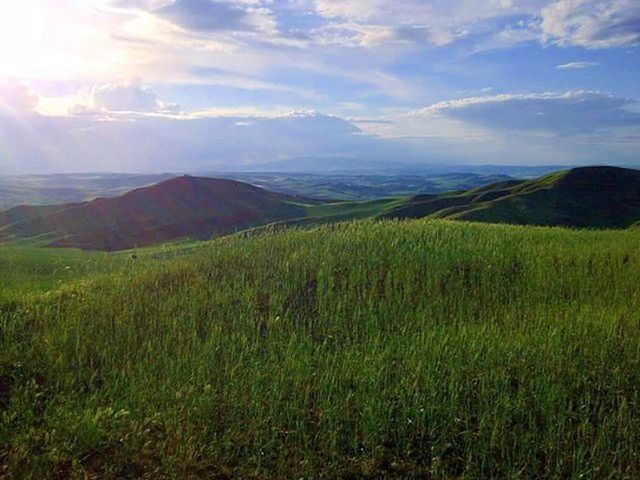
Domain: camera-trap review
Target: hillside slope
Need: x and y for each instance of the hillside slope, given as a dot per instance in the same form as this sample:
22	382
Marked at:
176	208
419	349
189	207
593	197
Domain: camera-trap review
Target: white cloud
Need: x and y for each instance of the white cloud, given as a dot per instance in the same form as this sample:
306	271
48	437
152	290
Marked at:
577	65
126	97
586	23
15	98
107	40
352	34
592	23
513	128
356	9
437	22
128	141
566	113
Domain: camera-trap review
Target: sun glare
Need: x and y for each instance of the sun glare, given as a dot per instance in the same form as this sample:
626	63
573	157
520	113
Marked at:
21	37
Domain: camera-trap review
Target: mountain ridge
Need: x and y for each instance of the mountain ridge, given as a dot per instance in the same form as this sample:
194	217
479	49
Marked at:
201	208
596	197
585	197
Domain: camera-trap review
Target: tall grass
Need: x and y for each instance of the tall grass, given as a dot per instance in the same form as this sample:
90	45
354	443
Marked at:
398	349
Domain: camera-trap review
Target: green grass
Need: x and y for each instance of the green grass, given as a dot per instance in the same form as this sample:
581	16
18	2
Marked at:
28	269
422	349
588	197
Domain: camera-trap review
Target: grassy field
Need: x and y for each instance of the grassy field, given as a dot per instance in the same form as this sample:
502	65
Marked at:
27	269
419	349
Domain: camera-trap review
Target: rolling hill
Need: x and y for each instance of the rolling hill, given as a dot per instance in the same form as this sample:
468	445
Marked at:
201	208
176	208
56	189
395	350
587	197
416	349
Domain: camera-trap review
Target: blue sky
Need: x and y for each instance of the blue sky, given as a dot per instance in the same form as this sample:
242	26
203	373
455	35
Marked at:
181	85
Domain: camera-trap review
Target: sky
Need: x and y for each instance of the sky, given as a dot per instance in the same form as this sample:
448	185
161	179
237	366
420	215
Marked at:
194	85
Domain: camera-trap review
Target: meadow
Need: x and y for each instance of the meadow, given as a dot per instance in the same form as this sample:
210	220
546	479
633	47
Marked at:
370	349
27	269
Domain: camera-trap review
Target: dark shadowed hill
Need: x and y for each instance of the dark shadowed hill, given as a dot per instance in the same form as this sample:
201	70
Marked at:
593	197
191	207
57	189
177	208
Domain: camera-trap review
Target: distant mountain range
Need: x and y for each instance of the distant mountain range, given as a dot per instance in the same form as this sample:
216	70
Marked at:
363	186
74	188
354	166
194	207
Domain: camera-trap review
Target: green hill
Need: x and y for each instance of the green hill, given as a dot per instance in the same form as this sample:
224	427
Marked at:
591	197
420	349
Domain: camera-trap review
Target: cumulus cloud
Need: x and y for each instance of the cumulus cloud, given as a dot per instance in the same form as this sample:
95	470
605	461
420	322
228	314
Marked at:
260	42
592	23
15	97
575	126
161	143
559	113
126	97
577	65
